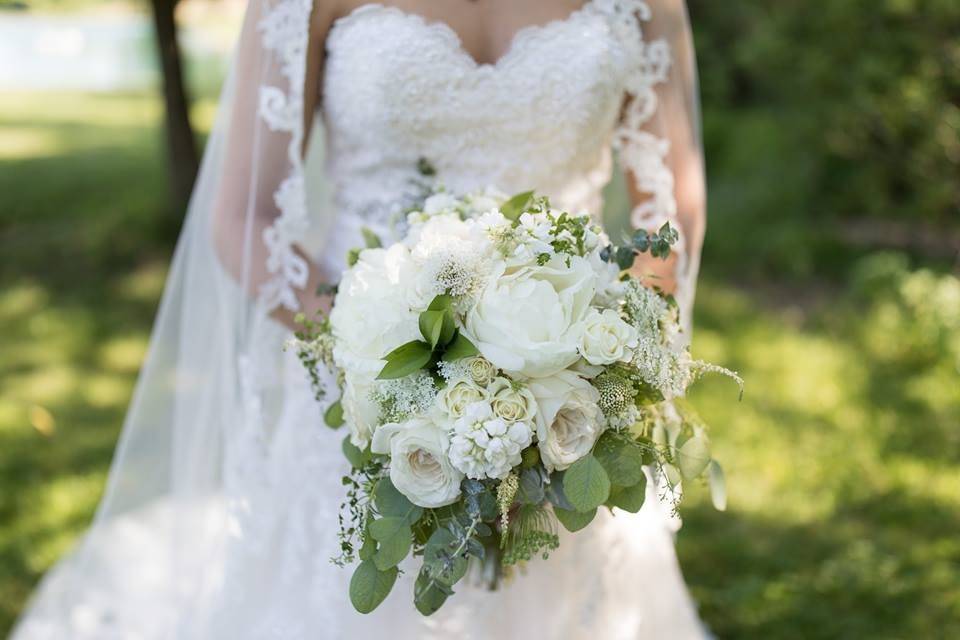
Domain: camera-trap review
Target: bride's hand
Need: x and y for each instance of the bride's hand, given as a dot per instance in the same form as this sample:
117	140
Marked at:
655	272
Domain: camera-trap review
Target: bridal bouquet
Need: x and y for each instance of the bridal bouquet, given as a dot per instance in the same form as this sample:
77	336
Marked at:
500	375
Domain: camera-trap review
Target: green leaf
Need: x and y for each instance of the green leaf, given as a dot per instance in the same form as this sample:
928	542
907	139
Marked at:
371	239
631	498
357	457
390	502
513	208
428	595
353	256
573	521
431	326
459	348
368	548
586	484
443	542
693	457
333	416
441	303
406	359
449	330
621	458
369	586
394	537
718	486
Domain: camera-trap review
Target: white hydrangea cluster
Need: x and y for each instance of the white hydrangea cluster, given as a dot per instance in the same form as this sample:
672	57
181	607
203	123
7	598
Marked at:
485	445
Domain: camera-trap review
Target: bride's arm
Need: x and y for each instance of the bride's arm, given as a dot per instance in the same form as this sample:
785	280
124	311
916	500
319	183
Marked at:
256	163
662	153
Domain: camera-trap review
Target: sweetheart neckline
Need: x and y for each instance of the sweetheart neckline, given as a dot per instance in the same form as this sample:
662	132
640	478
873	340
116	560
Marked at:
444	28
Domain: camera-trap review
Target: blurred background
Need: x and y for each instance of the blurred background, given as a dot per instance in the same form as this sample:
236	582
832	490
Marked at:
829	280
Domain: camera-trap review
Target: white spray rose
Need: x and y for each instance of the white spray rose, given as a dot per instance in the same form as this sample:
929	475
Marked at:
420	467
511	402
360	412
528	321
568	420
481	370
371	315
486	446
607	338
454	399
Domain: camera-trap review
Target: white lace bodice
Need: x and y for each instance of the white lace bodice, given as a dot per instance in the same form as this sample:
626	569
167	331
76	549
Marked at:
399	88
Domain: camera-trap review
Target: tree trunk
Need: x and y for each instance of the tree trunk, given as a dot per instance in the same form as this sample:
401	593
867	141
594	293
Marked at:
181	146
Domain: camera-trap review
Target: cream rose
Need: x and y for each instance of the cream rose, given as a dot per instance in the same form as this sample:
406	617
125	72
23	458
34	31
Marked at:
528	321
607	338
481	371
420	467
568	418
458	395
511	402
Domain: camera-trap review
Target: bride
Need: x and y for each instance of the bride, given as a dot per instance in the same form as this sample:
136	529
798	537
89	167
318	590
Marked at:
219	519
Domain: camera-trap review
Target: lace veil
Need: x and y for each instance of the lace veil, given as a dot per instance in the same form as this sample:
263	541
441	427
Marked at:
213	382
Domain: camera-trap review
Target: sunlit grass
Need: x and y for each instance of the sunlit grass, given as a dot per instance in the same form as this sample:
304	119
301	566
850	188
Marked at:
841	459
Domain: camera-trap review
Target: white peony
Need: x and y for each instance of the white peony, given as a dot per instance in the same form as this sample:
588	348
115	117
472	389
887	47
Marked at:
528	321
568	418
371	315
454	399
420	467
607	338
360	411
511	402
486	446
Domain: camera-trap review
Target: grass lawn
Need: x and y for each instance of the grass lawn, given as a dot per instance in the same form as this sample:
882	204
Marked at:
841	460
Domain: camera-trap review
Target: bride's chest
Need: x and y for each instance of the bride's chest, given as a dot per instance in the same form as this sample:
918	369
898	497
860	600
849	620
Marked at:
396	81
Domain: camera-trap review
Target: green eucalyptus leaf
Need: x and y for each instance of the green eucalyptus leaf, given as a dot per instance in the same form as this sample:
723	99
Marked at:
621	458
693	457
357	457
428	594
394	539
406	359
369	586
630	498
513	208
460	347
368	548
333	416
718	486
573	521
390	502
586	484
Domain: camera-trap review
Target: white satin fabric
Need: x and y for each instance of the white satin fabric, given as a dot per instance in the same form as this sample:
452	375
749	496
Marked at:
229	530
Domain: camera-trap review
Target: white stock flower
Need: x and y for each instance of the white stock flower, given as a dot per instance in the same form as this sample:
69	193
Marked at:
607	338
528	321
371	315
486	446
511	402
568	418
420	467
454	399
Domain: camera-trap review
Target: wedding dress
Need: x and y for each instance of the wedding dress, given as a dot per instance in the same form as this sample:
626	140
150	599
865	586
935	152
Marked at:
220	516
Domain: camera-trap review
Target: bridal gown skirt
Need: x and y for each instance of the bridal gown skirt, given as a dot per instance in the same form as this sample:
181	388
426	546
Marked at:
269	575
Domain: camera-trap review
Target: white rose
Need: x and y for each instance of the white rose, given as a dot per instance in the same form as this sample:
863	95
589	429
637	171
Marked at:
527	321
440	203
458	395
607	338
568	420
371	315
484	445
360	411
420	467
511	402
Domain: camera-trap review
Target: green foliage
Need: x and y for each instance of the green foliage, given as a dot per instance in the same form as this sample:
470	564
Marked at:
441	341
369	586
586	484
333	416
